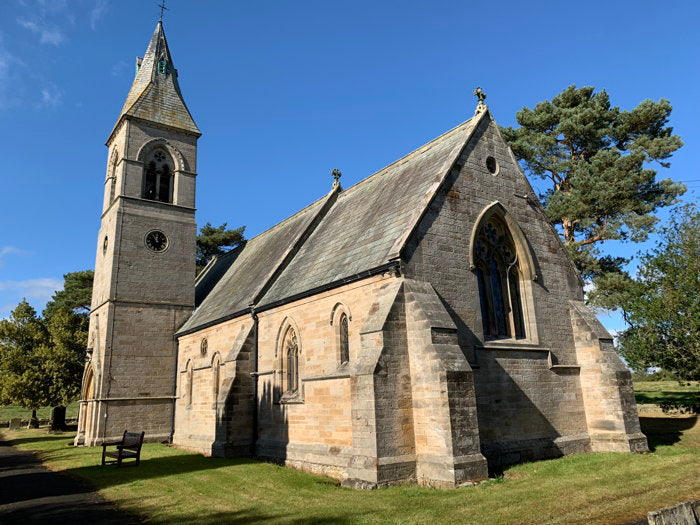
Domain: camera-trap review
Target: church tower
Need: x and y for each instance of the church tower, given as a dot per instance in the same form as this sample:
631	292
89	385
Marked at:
145	265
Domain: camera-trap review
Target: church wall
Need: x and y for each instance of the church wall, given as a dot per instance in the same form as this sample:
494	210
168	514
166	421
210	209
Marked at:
318	430
313	432
512	378
196	418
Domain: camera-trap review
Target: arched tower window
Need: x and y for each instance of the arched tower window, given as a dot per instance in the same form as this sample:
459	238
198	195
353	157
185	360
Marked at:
158	177
343	338
113	176
291	355
498	274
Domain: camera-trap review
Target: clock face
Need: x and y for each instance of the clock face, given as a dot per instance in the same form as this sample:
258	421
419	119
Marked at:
156	241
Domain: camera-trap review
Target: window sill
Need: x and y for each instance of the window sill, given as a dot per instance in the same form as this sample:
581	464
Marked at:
512	344
291	398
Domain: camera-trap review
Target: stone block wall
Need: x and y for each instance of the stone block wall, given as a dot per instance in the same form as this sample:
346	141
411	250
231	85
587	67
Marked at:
608	396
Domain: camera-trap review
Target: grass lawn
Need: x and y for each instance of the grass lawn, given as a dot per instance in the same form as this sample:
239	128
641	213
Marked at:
172	486
8	412
655	392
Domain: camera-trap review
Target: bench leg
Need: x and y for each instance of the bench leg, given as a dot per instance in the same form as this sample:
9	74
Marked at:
103	456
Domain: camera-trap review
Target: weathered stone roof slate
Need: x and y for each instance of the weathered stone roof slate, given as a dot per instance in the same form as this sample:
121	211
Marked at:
156	96
346	234
252	265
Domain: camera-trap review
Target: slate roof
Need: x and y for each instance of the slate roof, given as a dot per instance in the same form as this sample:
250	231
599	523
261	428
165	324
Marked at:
156	96
334	240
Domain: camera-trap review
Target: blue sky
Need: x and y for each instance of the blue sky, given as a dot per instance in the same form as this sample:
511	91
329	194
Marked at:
286	91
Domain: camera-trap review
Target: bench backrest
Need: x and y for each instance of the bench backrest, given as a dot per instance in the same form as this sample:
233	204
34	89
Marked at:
132	440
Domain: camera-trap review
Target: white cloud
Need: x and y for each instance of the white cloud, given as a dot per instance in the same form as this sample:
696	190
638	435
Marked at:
119	68
51	96
37	289
98	12
47	34
9	250
11	85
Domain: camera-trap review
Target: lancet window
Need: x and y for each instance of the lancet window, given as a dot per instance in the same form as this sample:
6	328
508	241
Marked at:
499	277
291	353
343	338
158	177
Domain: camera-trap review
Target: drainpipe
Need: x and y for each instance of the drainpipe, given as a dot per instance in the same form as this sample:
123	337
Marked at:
254	374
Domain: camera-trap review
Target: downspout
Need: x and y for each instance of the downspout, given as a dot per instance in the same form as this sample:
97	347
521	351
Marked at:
254	374
175	374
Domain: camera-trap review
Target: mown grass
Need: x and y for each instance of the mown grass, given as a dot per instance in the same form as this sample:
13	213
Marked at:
172	486
657	392
8	412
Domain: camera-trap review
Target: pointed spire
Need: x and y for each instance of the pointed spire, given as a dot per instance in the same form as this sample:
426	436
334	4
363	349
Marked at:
155	93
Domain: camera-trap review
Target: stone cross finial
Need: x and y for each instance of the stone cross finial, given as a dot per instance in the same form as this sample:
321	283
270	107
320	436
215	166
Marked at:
336	176
479	94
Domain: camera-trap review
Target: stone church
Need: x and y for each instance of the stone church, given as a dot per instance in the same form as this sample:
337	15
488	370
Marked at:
425	324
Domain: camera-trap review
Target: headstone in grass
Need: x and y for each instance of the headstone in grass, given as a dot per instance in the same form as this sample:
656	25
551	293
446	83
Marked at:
15	423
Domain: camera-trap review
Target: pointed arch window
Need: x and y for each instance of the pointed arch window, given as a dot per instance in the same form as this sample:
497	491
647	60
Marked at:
158	177
498	275
291	353
216	376
113	176
344	338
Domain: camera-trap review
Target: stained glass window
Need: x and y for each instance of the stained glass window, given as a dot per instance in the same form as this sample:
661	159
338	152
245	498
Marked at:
292	352
344	342
498	278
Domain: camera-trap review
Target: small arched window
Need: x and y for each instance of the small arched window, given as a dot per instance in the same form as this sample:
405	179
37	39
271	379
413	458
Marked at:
343	338
158	177
498	275
216	376
291	353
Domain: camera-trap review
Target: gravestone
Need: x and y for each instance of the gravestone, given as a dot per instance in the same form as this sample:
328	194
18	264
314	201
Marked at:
15	423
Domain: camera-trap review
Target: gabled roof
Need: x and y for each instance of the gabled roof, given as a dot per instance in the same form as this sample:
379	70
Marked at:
155	95
334	240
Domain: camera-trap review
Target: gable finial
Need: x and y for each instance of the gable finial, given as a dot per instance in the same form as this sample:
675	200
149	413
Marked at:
162	8
481	96
336	177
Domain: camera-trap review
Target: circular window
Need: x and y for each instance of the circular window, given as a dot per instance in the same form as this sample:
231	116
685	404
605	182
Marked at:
105	243
204	345
492	165
156	241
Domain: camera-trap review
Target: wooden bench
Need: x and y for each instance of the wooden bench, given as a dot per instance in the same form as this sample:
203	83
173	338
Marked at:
128	448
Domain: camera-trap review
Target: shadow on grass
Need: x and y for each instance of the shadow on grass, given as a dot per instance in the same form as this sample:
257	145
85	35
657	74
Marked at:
35	439
255	515
152	468
665	431
651	398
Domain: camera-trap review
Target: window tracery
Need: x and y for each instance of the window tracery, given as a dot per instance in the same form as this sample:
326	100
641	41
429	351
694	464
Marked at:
158	177
291	352
498	275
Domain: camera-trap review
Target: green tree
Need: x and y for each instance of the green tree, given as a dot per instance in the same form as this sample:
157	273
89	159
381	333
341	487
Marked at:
76	294
596	160
22	379
662	305
215	241
63	360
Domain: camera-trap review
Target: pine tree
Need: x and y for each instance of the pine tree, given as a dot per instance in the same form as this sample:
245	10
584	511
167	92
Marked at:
596	160
215	241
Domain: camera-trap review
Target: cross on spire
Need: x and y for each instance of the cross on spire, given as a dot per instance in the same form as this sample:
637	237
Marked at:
336	176
162	8
481	96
